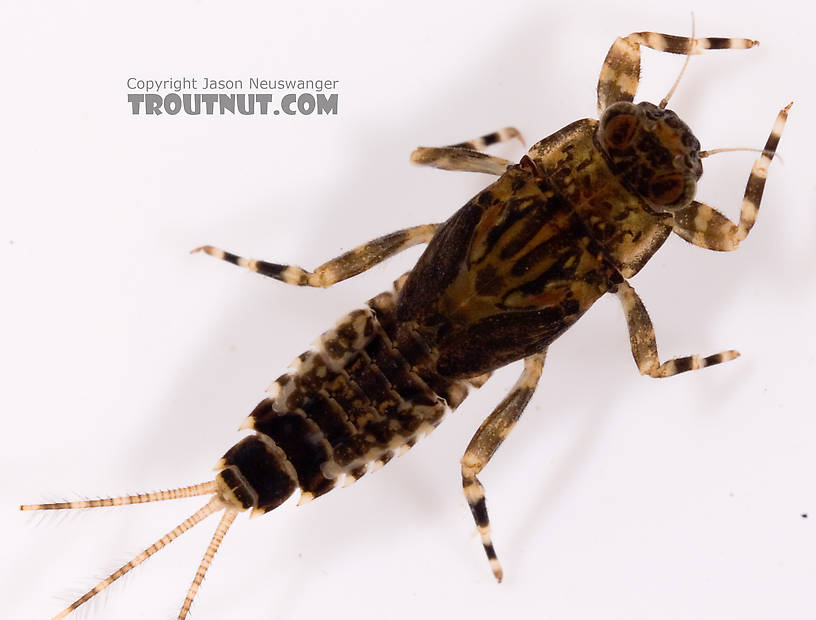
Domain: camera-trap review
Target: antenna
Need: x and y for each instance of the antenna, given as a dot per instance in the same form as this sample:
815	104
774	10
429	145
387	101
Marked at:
689	51
710	152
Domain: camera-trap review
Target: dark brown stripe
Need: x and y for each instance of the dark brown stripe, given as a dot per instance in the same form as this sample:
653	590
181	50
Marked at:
403	379
754	190
719	43
324	411
373	384
772	143
272	270
330	418
404	358
712	359
464	153
479	510
542	252
516	209
351	399
399	374
303	443
359	471
675	44
555	273
412	346
231	258
263	471
534	221
682	364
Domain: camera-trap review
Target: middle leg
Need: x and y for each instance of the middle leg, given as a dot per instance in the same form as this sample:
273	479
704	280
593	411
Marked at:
644	345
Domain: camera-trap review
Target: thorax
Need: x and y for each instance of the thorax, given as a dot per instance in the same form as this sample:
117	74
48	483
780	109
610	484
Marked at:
617	220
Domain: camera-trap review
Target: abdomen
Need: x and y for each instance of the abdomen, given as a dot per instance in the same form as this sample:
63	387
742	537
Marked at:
366	391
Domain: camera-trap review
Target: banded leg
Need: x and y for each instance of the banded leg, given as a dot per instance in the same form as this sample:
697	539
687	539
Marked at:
644	345
467	156
352	263
708	228
495	137
486	441
620	73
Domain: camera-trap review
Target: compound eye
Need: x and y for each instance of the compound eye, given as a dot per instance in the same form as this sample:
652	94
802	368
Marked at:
667	189
619	131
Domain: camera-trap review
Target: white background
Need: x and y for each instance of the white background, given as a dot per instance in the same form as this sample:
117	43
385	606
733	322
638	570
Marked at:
128	363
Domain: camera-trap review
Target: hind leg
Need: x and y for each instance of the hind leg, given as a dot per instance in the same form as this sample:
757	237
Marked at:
352	263
487	440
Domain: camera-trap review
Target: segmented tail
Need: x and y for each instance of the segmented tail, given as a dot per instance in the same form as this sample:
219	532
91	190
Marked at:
214	505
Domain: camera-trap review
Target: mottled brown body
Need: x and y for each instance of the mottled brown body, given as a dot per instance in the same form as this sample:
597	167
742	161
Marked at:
500	280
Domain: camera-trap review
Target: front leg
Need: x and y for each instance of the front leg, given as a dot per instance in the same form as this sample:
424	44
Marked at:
620	74
487	440
708	228
345	266
467	156
644	345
